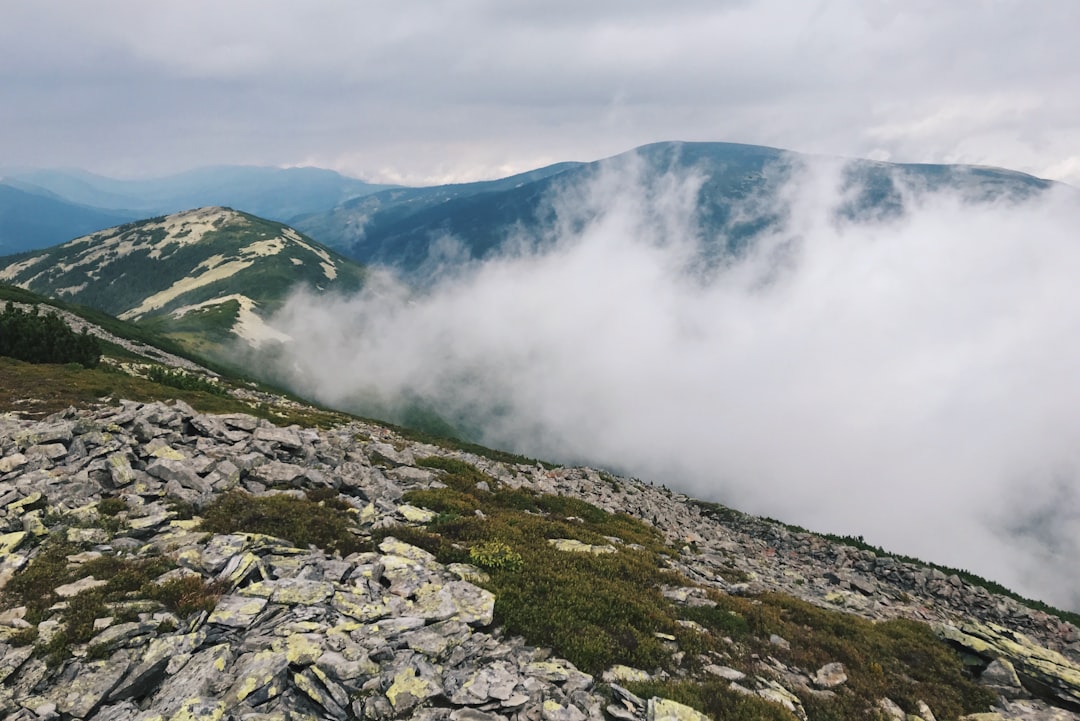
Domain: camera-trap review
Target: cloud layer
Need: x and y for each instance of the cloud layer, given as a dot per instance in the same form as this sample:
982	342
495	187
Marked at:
442	91
912	381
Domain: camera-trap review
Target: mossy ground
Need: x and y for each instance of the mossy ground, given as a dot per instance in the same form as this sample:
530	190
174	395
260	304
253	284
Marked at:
126	579
599	610
40	389
318	519
36	390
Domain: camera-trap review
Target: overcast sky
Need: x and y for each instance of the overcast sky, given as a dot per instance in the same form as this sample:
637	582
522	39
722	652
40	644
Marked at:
424	92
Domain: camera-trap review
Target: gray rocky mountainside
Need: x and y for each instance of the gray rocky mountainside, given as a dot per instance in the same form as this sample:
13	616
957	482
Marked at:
272	562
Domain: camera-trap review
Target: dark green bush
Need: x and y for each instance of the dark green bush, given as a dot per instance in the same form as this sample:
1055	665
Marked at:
301	521
176	378
36	338
111	506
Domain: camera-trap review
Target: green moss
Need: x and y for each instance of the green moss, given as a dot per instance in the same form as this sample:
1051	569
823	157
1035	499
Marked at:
714	699
595	610
599	610
34	585
899	659
77	625
125	575
717	619
301	521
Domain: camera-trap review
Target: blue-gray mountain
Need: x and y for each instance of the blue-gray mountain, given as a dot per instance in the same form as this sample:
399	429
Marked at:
39	208
31	220
399	227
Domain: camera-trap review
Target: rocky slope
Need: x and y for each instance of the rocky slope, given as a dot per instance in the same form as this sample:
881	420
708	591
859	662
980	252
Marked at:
205	277
157	562
296	632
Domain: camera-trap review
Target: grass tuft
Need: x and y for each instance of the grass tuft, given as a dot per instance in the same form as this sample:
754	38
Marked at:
301	521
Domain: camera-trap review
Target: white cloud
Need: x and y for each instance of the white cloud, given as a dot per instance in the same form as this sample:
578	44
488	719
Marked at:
909	381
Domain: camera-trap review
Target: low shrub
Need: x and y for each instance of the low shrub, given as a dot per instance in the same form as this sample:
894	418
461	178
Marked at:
599	610
715	699
301	521
176	378
186	595
35	587
595	610
899	659
495	556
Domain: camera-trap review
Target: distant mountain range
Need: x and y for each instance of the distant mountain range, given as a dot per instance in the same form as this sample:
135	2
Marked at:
203	277
398	227
39	208
31	220
207	276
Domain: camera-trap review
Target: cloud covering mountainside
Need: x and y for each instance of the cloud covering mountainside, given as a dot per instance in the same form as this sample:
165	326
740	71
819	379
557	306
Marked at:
908	379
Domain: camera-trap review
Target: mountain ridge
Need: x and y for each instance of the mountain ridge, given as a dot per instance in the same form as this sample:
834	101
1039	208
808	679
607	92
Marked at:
231	268
401	227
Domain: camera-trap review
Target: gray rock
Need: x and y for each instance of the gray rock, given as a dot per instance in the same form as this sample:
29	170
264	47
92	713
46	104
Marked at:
662	709
44	433
12	462
276	473
779	642
51	451
1001	677
284	438
237	611
74	588
329	696
830	676
471	714
459	600
411	686
151	668
88	689
168	469
259	678
121	633
207	674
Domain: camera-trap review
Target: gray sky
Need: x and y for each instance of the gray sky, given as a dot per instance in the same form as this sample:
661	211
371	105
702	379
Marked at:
424	92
